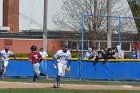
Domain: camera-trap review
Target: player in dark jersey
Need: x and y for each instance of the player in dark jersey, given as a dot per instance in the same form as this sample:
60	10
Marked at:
36	58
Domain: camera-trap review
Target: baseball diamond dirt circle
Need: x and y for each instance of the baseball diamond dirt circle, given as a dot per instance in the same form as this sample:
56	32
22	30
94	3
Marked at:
4	85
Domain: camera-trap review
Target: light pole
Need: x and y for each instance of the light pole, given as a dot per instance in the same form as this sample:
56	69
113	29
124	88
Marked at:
82	39
45	25
109	2
119	29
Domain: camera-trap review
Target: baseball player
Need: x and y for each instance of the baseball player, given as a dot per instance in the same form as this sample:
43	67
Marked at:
36	58
62	57
43	53
88	53
5	60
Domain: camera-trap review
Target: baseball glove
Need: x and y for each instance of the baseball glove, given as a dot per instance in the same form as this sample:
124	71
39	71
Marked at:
40	60
67	69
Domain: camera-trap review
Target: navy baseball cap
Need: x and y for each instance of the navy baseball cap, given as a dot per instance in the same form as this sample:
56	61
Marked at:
133	49
41	48
65	46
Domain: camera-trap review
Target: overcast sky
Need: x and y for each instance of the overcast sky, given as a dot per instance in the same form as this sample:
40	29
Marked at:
31	13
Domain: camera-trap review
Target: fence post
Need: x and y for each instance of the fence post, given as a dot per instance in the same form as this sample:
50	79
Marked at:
138	54
80	68
119	31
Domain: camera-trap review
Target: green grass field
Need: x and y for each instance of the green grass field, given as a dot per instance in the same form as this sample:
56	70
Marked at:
60	90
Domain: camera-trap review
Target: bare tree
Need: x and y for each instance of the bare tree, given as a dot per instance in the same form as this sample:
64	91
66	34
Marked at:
135	8
69	18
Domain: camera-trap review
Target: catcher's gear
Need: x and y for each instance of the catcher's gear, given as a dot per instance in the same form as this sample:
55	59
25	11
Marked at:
67	69
33	48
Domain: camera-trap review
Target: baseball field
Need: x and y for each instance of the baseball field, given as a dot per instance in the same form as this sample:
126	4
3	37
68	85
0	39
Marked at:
68	86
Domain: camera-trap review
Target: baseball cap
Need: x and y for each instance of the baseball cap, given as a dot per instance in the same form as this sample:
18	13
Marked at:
109	49
65	46
41	48
133	49
90	49
6	48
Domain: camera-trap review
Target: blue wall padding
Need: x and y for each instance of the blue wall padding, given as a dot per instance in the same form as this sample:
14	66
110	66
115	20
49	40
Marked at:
80	69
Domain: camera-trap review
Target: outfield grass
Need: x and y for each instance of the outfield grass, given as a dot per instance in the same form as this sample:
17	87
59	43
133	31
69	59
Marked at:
62	91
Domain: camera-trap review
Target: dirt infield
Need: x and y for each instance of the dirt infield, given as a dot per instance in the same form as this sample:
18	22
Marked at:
4	85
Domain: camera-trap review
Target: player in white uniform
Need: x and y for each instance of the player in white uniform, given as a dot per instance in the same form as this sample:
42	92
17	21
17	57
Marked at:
44	55
63	57
5	60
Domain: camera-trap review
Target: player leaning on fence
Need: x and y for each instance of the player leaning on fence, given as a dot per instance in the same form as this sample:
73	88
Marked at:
62	57
36	58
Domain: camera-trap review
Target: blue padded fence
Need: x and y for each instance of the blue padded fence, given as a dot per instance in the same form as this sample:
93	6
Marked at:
80	69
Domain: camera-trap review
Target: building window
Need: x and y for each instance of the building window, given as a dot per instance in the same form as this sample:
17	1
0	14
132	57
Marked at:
72	45
125	46
8	42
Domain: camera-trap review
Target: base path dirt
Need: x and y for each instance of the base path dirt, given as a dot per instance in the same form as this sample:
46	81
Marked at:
4	85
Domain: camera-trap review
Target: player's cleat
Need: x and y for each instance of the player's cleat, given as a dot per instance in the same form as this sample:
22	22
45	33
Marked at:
47	76
56	85
33	80
2	77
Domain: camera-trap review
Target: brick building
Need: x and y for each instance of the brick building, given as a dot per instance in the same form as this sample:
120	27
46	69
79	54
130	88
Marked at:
20	42
11	14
